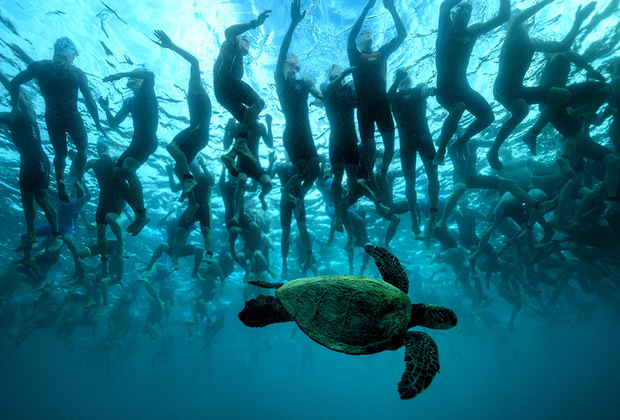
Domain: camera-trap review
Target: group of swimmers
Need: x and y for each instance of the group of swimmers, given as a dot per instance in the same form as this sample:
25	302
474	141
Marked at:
584	196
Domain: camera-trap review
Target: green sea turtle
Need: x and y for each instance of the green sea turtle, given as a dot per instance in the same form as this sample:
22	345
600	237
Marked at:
359	315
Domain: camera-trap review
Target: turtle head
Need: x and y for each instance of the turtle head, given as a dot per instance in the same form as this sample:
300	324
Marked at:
432	316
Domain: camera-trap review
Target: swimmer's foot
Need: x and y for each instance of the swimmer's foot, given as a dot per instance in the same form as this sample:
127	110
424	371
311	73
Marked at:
440	158
546	206
55	245
263	202
493	159
383	210
547	236
138	224
188	185
40	285
530	141
229	162
26	242
79	189
62	191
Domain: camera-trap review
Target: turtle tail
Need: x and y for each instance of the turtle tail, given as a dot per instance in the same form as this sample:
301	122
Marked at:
262	311
389	267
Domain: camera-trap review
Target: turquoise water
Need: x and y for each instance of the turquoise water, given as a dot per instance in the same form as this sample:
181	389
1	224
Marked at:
558	365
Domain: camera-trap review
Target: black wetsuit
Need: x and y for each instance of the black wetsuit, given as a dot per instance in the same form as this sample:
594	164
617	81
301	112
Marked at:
202	193
371	86
454	47
230	91
285	173
145	114
251	168
110	199
614	104
297	136
34	165
514	61
59	82
339	107
195	137
409	109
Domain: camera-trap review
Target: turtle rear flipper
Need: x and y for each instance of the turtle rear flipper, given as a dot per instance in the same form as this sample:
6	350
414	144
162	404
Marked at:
389	267
421	364
266	284
262	311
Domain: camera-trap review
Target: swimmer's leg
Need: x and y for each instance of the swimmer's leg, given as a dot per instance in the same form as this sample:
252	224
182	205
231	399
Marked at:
518	111
448	129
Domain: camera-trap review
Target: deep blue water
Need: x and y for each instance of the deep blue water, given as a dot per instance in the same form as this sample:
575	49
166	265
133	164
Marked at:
553	366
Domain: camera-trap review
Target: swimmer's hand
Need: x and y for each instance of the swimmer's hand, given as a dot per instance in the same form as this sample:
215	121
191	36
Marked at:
113	77
104	102
262	17
272	157
164	40
401	74
583	13
268	119
296	14
348	71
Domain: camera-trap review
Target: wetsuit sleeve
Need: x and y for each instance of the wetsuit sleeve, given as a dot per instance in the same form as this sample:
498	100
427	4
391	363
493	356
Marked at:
114	121
444	17
23	77
502	17
91	105
352	50
233	31
401	34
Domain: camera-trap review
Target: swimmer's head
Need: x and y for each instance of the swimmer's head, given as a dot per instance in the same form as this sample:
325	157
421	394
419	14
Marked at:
461	13
291	68
333	72
134	83
65	47
405	84
102	147
244	44
364	42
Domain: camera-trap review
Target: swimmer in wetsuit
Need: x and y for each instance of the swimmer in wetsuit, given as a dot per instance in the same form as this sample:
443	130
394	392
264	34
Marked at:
59	81
34	169
230	91
144	111
248	167
371	86
340	104
111	203
293	94
514	61
186	145
409	107
455	42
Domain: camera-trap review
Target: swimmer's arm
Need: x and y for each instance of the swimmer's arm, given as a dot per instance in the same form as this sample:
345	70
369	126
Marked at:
355	30
312	88
401	31
174	185
114	121
296	17
529	12
5	117
229	133
489	25
338	81
23	77
581	62
233	31
266	132
444	16
91	105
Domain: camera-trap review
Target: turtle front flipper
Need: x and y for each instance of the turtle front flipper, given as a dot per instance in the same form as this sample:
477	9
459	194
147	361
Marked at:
421	364
262	311
389	267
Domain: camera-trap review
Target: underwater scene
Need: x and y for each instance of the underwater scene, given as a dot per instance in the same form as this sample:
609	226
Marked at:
315	209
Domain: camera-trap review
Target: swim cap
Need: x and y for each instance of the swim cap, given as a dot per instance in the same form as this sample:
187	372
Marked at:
64	46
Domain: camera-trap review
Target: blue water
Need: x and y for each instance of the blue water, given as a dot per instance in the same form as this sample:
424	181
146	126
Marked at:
555	366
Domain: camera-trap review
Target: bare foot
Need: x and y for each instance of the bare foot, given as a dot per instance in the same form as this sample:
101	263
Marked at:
79	189
188	185
440	158
138	224
62	191
493	159
565	168
55	245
